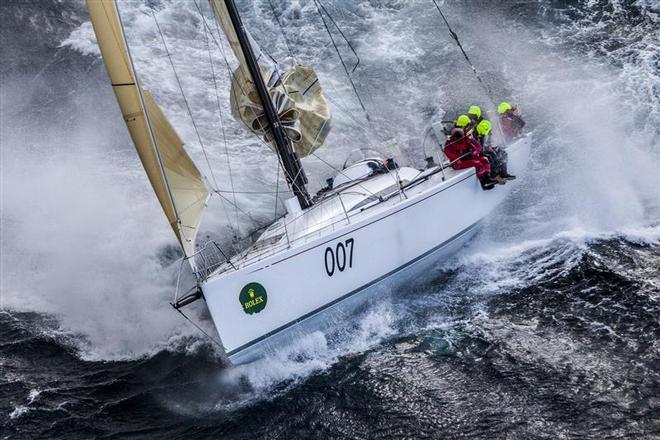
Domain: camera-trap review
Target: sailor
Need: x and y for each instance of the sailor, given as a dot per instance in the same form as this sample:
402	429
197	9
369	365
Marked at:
463	121
474	113
482	132
464	152
512	123
496	155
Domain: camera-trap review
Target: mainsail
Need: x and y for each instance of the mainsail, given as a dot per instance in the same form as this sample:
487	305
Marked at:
174	177
296	94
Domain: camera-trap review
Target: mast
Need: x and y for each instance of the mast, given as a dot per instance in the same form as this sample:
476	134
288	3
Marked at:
295	175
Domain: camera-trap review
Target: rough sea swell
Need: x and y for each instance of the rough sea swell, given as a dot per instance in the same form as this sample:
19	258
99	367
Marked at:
545	326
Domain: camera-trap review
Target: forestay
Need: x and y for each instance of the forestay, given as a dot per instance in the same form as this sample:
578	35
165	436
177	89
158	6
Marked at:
296	95
174	177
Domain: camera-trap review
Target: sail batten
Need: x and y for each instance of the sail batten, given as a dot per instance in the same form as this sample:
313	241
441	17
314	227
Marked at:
178	184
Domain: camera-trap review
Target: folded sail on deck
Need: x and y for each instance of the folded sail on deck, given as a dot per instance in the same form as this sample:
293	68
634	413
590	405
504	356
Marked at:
296	94
174	177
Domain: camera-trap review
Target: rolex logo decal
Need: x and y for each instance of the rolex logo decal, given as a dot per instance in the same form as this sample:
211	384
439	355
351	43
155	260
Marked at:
253	298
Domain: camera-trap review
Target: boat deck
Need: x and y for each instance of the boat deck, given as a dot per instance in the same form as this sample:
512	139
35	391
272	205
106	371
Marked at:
349	203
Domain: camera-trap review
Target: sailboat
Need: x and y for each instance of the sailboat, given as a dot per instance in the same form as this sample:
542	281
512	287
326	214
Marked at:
375	222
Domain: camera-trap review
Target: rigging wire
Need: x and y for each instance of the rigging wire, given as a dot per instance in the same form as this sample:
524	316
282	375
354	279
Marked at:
340	171
277	192
467	58
195	125
489	93
227	191
232	75
219	193
198	135
329	164
369	129
222	125
198	327
146	115
319	7
279	23
359	125
192	119
238	83
348	43
366	130
230	71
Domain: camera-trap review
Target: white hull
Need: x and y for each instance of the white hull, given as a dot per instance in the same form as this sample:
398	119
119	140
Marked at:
302	281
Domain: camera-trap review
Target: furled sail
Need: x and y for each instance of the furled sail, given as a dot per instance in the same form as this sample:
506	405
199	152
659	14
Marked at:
296	95
174	177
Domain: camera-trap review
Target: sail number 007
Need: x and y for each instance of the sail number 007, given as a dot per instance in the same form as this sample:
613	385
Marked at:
339	258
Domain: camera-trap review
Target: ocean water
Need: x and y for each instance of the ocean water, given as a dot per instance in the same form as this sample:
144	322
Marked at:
545	326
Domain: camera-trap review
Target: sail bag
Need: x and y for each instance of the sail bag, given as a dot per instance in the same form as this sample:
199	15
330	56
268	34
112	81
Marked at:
296	94
174	177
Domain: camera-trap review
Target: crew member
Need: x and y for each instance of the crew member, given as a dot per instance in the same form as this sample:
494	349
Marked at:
463	121
482	133
474	113
495	154
463	151
512	123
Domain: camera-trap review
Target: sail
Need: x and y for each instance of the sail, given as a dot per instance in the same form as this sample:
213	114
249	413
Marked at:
174	177
296	94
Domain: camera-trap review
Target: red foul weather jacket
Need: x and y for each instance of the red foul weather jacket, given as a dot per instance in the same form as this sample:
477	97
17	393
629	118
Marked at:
459	144
512	125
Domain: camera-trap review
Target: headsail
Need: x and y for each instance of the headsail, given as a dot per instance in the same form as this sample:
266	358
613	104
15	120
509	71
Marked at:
296	95
174	177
